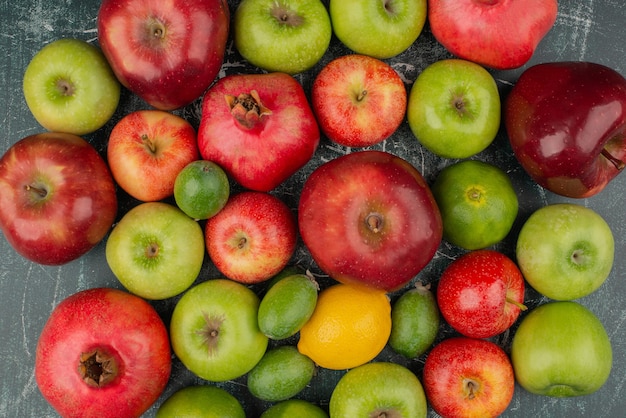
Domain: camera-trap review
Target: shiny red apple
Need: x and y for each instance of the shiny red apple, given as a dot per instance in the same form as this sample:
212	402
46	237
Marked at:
566	122
166	52
500	34
369	217
57	197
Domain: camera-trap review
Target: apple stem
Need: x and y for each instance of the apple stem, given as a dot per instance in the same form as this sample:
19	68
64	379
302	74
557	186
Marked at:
374	222
38	190
619	164
361	95
521	306
147	142
97	368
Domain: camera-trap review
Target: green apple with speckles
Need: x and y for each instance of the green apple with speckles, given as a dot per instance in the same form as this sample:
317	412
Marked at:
70	87
288	36
561	349
565	251
454	108
380	29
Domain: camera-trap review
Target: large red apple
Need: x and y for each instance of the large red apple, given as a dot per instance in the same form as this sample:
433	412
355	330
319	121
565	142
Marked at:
146	151
567	125
501	34
57	197
103	353
467	377
166	52
481	293
369	217
258	127
358	100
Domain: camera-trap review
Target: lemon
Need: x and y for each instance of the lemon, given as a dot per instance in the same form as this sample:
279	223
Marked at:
477	202
350	326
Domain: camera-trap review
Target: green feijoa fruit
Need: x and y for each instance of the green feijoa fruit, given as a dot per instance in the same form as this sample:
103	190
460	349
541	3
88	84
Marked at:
294	408
202	401
287	305
282	373
414	322
201	189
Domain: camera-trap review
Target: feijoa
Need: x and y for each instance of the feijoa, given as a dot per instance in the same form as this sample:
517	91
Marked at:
287	305
281	374
414	322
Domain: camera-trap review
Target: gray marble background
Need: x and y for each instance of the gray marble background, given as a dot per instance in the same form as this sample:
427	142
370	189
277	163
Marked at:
584	30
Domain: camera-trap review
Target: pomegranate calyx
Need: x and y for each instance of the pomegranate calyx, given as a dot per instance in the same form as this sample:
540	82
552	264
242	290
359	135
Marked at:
247	108
97	368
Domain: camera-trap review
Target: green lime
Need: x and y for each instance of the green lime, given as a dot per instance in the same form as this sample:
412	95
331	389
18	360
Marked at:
287	306
281	374
477	202
294	408
414	322
201	189
202	401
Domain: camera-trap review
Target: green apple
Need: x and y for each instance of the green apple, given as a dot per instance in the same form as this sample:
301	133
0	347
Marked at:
155	250
380	29
294	408
287	36
201	401
454	108
378	389
561	349
214	330
565	251
70	87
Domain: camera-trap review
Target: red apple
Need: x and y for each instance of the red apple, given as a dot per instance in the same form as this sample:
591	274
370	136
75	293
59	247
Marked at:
466	377
481	293
57	197
147	149
166	52
501	34
103	353
252	238
369	217
567	125
358	100
258	127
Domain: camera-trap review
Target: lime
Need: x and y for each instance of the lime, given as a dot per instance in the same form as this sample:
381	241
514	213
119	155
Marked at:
294	408
282	373
287	306
201	189
202	401
414	322
477	202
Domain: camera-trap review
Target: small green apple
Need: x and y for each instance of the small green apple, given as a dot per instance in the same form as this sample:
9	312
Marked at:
294	408
565	251
288	36
380	29
561	349
155	250
378	389
214	330
201	401
70	87
454	108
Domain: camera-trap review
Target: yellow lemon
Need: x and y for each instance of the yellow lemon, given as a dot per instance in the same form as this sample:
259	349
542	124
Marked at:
350	326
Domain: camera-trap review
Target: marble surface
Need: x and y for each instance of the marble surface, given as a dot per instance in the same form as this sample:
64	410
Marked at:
590	30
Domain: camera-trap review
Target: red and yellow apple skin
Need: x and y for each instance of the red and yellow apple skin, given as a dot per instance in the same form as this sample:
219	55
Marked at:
500	34
369	217
566	122
166	52
57	197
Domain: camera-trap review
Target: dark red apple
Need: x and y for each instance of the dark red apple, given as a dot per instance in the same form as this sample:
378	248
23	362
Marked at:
259	128
500	34
566	122
369	217
481	293
166	52
57	197
103	353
